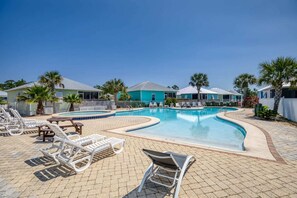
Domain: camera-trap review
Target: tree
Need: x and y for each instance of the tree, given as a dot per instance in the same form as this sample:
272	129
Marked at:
276	73
113	87
52	79
243	81
72	99
36	94
124	95
175	87
199	80
9	84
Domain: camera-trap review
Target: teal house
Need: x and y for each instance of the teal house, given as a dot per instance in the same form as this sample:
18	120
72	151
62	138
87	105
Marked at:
147	92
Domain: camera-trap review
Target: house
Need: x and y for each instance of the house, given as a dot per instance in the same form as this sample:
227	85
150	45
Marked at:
288	103
147	92
191	93
213	94
227	96
86	92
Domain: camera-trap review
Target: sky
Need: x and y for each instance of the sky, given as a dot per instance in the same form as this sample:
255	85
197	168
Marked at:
163	41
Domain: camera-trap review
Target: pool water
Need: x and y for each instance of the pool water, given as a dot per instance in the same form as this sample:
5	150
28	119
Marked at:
82	113
194	126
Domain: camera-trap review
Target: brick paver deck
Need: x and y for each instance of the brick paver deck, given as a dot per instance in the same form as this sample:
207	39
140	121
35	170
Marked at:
25	173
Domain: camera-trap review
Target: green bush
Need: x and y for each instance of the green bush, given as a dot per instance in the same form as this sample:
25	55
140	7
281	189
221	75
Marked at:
266	113
168	101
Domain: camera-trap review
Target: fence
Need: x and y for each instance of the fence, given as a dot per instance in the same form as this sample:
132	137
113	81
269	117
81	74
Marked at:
287	107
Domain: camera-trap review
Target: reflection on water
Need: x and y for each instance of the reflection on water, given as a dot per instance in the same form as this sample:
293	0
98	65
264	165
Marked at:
196	126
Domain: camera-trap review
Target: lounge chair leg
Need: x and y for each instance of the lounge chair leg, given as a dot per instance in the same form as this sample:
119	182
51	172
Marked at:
146	175
180	178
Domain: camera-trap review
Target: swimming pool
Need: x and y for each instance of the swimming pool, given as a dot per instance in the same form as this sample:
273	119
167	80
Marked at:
194	126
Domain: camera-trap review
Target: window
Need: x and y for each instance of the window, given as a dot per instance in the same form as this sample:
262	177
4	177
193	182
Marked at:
289	93
272	93
204	96
226	97
88	95
153	97
194	96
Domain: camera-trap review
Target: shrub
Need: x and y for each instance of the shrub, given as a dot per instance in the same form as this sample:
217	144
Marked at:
168	101
250	101
266	113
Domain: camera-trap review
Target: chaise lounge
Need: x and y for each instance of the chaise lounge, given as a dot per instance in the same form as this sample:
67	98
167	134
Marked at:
167	162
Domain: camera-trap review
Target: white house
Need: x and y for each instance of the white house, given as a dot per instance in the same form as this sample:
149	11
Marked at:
288	103
86	92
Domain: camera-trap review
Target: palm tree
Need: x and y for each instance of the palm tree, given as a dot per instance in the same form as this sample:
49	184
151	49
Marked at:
243	81
113	87
72	99
276	73
36	94
199	80
51	79
175	87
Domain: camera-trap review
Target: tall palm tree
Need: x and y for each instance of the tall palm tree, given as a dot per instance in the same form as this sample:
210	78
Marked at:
113	87
243	81
276	73
51	79
199	80
72	99
36	94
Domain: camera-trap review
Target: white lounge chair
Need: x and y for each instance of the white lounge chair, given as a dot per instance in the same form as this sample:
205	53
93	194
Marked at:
194	104
151	104
6	118
177	105
60	137
188	105
155	104
166	162
80	157
19	124
161	104
199	104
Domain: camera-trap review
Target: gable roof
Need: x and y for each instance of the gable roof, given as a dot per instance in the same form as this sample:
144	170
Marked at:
68	85
235	93
285	85
193	90
221	91
149	86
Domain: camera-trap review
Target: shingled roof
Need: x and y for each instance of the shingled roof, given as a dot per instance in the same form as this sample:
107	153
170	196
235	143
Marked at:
68	85
149	86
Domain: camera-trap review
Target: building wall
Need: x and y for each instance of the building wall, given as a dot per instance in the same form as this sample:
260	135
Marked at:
135	95
146	96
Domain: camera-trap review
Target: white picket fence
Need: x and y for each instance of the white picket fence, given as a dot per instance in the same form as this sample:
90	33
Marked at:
287	107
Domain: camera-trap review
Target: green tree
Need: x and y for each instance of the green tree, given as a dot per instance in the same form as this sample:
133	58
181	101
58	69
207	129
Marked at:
9	84
52	79
113	87
36	94
124	95
276	73
199	80
175	87
242	82
72	99
2	101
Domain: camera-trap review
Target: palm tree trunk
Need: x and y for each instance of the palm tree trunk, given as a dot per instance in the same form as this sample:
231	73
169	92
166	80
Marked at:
115	98
277	97
71	107
198	98
39	109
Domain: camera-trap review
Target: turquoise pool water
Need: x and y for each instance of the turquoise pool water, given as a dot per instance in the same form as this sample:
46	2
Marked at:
82	113
194	126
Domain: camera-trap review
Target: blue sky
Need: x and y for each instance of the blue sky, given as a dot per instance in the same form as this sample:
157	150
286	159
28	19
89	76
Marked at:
163	41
